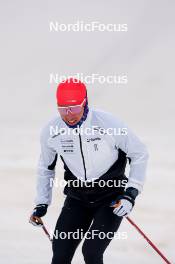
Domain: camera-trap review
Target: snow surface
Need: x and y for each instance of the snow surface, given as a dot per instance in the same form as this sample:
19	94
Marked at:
29	53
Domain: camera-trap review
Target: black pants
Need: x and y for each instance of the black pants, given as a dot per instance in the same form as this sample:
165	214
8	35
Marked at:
76	216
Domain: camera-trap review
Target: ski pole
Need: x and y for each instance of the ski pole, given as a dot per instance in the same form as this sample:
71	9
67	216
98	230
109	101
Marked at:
148	240
41	224
45	229
46	232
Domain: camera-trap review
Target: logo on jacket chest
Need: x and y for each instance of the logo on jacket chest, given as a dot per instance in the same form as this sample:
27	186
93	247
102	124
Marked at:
93	139
67	146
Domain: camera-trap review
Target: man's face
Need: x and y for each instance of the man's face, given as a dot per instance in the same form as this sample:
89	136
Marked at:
70	117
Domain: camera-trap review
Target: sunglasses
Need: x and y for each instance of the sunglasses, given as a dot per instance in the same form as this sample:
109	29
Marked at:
74	109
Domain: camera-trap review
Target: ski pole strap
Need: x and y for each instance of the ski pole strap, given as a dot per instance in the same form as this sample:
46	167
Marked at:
117	202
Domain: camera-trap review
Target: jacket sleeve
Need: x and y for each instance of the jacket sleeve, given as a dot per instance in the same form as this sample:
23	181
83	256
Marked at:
45	170
137	153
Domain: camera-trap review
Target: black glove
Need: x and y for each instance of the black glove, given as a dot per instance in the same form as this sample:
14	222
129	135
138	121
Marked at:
130	194
40	210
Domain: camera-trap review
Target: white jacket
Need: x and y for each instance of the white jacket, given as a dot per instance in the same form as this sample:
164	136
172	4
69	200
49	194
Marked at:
89	153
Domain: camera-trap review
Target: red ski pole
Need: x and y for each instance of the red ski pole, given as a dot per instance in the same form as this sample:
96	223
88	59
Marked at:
40	223
46	232
149	241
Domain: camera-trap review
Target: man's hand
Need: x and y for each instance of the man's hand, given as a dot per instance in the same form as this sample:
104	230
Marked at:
122	208
39	211
124	204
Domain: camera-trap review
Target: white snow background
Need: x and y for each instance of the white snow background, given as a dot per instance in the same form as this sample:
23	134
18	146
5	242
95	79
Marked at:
29	53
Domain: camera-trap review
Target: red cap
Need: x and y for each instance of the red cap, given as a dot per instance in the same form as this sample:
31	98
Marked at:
71	92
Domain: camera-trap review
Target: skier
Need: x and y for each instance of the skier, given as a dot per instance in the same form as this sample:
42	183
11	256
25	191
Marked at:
96	160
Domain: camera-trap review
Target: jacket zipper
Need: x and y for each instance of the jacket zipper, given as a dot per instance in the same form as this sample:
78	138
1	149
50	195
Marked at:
81	149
